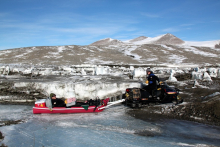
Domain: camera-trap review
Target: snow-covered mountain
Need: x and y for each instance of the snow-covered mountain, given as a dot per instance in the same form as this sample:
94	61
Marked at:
107	41
163	39
164	49
169	39
141	38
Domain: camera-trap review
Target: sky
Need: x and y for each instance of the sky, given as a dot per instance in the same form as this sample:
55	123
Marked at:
25	23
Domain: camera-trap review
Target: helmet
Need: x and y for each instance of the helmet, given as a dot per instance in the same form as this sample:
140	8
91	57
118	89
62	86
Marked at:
148	70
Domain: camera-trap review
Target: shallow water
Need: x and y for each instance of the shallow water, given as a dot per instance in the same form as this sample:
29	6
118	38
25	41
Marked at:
112	127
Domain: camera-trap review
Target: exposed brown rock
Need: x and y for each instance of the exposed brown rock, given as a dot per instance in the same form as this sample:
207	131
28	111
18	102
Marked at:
138	39
217	45
107	41
169	39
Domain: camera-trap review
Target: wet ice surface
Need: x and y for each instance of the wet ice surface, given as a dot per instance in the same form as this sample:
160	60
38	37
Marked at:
112	127
15	112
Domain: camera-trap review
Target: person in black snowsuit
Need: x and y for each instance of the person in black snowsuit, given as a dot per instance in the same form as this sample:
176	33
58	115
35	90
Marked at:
56	102
152	81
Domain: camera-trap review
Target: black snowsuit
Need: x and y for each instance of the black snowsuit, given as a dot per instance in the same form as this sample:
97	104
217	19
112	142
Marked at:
152	85
58	103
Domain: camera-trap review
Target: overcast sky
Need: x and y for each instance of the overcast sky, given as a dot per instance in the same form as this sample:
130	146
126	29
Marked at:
25	23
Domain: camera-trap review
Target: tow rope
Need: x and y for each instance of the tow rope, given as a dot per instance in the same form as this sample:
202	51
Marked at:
112	103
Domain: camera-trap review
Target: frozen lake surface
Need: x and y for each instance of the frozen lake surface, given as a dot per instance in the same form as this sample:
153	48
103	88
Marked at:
112	127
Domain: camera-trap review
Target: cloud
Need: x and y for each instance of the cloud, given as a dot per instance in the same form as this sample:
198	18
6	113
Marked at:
87	30
150	15
185	25
170	30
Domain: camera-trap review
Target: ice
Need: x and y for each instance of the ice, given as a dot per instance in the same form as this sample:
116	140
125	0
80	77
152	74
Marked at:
4	70
202	74
112	127
88	81
218	74
27	71
172	78
139	72
213	72
15	112
85	88
212	95
206	77
101	70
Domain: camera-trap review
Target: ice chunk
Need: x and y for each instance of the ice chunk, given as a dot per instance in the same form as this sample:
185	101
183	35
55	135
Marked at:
206	77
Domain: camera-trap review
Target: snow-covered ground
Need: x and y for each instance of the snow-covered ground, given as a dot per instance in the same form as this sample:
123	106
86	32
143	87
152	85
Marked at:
89	82
202	43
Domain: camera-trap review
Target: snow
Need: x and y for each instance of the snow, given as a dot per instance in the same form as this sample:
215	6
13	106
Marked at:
213	72
199	52
152	59
148	40
205	73
212	95
139	72
202	43
172	78
168	48
197	75
24	54
129	50
90	81
82	88
108	39
176	58
101	70
61	48
206	77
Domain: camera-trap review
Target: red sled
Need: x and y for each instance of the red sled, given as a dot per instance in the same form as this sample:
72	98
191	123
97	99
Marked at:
40	107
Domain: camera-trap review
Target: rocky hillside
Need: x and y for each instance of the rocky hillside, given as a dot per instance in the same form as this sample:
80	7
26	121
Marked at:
169	39
107	41
138	39
165	49
217	46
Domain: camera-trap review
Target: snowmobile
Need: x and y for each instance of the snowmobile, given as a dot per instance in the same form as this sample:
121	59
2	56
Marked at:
137	97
